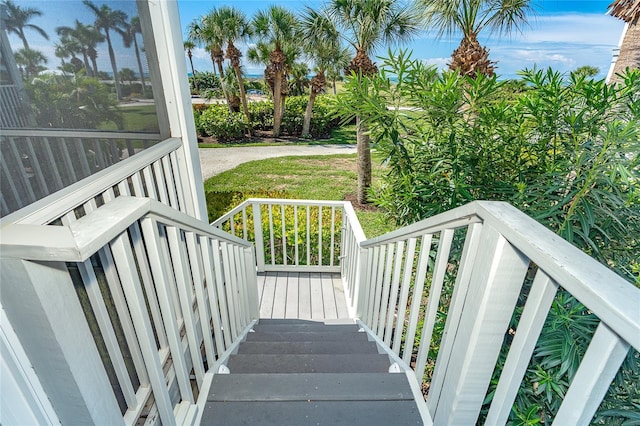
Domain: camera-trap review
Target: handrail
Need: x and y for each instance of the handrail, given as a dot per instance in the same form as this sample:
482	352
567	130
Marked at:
60	202
80	133
79	240
402	282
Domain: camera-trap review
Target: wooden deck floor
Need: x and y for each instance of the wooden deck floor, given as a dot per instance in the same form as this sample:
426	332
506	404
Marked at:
312	296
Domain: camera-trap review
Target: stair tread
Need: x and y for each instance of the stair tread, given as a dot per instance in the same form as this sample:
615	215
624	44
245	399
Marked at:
313	363
370	413
310	347
310	387
307	328
304	336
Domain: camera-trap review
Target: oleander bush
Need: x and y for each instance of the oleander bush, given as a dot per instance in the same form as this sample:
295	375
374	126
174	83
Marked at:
562	148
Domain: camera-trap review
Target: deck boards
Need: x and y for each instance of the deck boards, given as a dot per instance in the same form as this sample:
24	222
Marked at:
314	295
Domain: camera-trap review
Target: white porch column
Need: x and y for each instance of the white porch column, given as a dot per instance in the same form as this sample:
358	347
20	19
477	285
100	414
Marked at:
163	18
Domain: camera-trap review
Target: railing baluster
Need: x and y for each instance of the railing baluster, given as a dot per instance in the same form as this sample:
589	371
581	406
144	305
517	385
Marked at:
194	252
404	294
229	285
333	233
416	299
295	230
377	285
435	290
393	298
161	182
534	314
159	263
373	268
123	256
167	173
271	236
308	237
244	224
216	251
284	235
599	366
106	330
208	266
386	287
257	223
467	260
183	281
319	235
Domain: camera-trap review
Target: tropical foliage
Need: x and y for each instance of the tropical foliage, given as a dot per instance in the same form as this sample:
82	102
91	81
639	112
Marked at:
470	17
565	150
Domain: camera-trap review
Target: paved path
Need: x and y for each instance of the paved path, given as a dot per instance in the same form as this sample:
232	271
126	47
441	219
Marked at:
217	160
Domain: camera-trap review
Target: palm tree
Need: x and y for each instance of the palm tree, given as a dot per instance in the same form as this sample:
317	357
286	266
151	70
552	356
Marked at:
366	25
30	62
235	26
17	20
86	38
629	56
276	26
323	51
470	17
337	65
108	19
133	28
210	32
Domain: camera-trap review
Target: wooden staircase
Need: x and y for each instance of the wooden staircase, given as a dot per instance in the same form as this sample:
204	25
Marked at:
295	372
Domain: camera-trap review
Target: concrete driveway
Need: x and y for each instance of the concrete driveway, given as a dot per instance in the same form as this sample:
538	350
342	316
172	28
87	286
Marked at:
217	160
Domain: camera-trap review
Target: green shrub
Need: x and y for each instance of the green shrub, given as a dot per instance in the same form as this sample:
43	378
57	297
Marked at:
217	121
565	150
322	119
261	115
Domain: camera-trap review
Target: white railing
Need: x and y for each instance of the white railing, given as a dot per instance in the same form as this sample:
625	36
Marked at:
36	163
165	294
484	254
152	173
295	235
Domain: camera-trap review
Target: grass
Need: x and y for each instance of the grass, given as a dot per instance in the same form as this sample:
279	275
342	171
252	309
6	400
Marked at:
320	177
139	118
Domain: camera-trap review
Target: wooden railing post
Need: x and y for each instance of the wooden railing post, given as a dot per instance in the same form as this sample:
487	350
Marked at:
40	302
257	228
472	347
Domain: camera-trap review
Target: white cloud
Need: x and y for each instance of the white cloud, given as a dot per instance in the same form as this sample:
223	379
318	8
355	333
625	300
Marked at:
441	63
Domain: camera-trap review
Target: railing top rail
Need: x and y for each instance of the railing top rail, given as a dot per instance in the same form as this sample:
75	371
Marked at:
276	201
88	134
350	214
456	218
84	237
614	300
60	202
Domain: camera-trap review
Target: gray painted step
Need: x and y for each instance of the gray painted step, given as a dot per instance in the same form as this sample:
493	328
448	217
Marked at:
331	413
310	387
304	336
307	328
330	347
334	363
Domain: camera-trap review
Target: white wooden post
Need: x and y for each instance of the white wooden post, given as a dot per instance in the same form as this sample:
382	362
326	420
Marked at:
259	238
486	310
41	303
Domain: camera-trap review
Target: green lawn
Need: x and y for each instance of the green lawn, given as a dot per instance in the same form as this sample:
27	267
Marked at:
322	177
139	118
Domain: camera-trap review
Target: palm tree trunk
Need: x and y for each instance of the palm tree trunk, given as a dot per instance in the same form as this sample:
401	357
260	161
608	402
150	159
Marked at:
364	161
114	68
135	46
224	90
277	99
243	98
334	87
87	67
306	125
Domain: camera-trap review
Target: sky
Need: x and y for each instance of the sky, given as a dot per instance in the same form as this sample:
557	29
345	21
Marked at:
563	34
